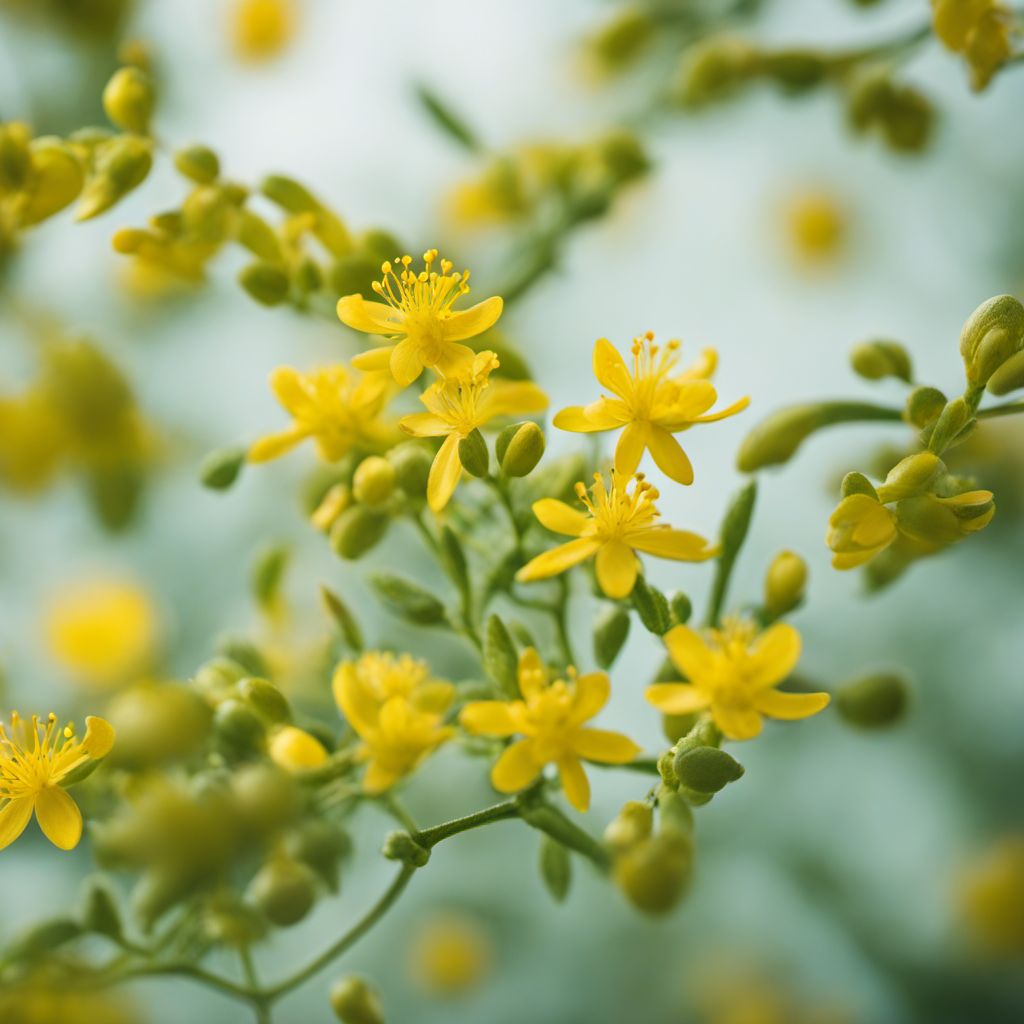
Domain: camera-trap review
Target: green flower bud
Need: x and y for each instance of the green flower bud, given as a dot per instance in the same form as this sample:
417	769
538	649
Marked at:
198	163
610	632
993	333
408	600
706	769
238	728
411	462
284	891
674	814
374	480
675	727
354	1002
267	798
714	69
357	530
156	723
268	571
928	520
519	448
100	913
631	825
215	679
623	38
244	653
128	100
320	845
354	273
473	454
951	426
1009	377
402	847
876	360
652	607
784	583
268	284
912	476
230	922
253	232
924	404
655	872
795	71
122	164
265	699
55	181
220	468
681	607
555	868
873	701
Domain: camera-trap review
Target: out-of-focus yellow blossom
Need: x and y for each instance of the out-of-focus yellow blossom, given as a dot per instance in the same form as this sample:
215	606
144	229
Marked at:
459	405
417	315
859	528
339	409
618	523
978	29
44	996
549	718
261	29
653	403
36	759
32	440
295	749
103	631
816	227
451	954
398	711
991	895
732	673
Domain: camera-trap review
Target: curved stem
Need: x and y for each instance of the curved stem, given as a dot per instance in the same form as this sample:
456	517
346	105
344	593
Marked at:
1007	409
430	837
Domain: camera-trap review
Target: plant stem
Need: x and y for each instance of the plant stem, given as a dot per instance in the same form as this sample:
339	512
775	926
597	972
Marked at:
261	1007
1007	409
430	837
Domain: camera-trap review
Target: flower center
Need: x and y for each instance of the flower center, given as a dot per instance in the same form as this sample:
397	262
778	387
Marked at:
651	366
620	510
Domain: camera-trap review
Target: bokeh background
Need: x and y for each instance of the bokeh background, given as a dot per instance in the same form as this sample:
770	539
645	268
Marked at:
829	883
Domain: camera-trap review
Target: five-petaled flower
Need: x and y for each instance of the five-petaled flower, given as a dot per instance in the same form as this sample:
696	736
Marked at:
459	405
36	761
397	710
339	409
733	673
417	316
550	721
618	523
653	403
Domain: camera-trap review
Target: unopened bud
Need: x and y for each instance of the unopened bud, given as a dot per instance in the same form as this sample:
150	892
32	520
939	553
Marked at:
795	71
374	480
714	69
1009	377
237	727
857	483
473	454
265	699
402	847
924	405
15	161
122	164
357	530
912	476
610	634
354	1002
284	891
632	824
129	98
199	164
706	769
519	448
320	845
654	873
220	468
296	750
411	462
873	701
993	333
268	284
56	181
784	583
681	608
876	360
555	868
950	426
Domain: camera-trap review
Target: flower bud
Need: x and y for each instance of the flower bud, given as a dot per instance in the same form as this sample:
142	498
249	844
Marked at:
56	180
156	723
924	405
268	284
951	426
621	39
122	164
795	71
652	607
993	333
555	868
334	501
631	825
674	814
198	163
876	360
775	440
265	699
357	530
128	100
402	847
319	845
857	483
411	461
296	750
681	608
784	583
284	891
237	727
714	69
519	448
473	454
610	632
1009	377
873	701
215	679
354	1002
654	873
266	797
912	476
667	770
220	468
374	480
706	769
158	890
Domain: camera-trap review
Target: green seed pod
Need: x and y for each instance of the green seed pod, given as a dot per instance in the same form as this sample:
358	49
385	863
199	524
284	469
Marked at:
220	468
681	607
122	164
1009	377
655	872
198	163
924	404
56	181
876	360
873	701
992	333
354	1002
408	600
238	729
912	476
129	99
357	531
374	480
265	699
100	913
631	825
473	454
411	461
519	448
706	769
610	632
265	282
555	868
784	583
284	891
402	847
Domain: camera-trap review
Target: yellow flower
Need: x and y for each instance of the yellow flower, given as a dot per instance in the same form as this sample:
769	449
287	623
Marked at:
458	406
296	750
33	765
397	709
103	631
732	673
978	29
451	954
261	28
32	440
991	897
652	404
817	226
859	528
550	720
618	523
341	410
417	315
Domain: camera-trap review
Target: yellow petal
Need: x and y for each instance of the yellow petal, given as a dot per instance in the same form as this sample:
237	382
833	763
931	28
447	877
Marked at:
59	817
852	559
374	360
676	408
516	768
575	419
14	816
468	323
592	693
99	737
790	705
358	707
702	368
630	448
435	696
512	398
405	362
773	656
665	542
574	782
286	384
445	471
605	746
610	368
557	560
689	653
737	723
676	698
275	445
369	317
729	410
616	569
669	456
488	718
454	359
531	673
379	778
425	424
558	517
295	749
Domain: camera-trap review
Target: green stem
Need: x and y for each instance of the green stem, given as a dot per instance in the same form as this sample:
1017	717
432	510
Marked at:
1007	409
560	615
644	765
499	812
197	974
553	822
261	1007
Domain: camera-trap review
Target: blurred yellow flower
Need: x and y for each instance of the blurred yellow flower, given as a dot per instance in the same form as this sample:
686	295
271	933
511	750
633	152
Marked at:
978	29
451	953
858	529
103	631
732	673
653	403
339	409
417	315
816	226
550	720
296	750
262	28
991	896
34	764
459	405
397	710
617	524
32	440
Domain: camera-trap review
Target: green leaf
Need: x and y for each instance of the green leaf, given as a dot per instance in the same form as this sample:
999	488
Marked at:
500	659
610	634
450	123
555	868
344	619
652	607
408	600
